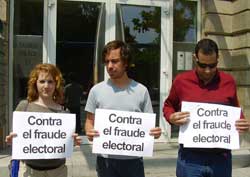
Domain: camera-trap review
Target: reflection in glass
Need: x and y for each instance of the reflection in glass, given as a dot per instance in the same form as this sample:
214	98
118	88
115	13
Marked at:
76	38
28	39
142	31
77	27
185	21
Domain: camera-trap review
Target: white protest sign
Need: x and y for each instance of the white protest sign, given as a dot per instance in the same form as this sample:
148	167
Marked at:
123	133
42	135
210	126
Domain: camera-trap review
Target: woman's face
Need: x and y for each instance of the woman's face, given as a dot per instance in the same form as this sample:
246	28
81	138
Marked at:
45	85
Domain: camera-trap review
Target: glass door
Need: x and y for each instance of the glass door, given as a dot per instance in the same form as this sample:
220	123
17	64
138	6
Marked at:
145	39
78	38
84	26
144	26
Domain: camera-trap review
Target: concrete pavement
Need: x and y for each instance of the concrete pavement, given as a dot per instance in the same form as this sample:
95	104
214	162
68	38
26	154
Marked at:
162	164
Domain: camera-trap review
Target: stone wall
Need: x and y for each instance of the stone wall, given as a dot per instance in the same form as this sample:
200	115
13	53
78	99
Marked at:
3	72
227	22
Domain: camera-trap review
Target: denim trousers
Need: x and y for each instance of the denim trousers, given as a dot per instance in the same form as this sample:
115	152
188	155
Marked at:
107	167
203	164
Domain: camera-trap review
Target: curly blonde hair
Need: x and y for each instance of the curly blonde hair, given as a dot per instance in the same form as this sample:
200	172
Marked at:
56	75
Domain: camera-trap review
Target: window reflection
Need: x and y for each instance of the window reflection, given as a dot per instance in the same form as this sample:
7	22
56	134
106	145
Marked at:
141	26
28	38
80	32
185	21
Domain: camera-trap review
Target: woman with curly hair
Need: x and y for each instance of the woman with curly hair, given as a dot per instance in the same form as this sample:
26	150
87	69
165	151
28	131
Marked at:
54	86
45	93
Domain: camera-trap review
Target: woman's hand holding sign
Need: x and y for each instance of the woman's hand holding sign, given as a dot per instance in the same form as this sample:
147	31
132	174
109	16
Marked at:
77	139
179	118
9	138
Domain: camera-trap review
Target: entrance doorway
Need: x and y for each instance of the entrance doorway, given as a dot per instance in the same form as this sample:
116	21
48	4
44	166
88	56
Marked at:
83	28
77	24
75	31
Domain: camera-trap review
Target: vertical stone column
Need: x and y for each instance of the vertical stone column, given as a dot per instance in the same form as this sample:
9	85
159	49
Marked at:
227	22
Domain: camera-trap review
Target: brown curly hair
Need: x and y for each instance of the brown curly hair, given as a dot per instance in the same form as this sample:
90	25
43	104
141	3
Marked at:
56	75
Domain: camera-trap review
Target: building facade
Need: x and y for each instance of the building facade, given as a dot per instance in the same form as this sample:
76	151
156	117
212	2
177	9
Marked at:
162	34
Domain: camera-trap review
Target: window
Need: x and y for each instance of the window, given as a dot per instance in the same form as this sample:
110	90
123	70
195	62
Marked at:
184	34
185	21
27	43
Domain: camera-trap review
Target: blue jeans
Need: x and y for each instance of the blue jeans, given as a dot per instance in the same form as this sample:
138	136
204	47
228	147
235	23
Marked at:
107	167
203	164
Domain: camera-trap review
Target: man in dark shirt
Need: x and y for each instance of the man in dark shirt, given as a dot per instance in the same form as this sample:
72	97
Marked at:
73	93
208	85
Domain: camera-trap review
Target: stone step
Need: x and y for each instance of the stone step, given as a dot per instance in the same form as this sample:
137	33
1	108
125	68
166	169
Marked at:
162	164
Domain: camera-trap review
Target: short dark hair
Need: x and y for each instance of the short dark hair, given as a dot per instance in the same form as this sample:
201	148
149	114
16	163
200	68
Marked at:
207	47
125	52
